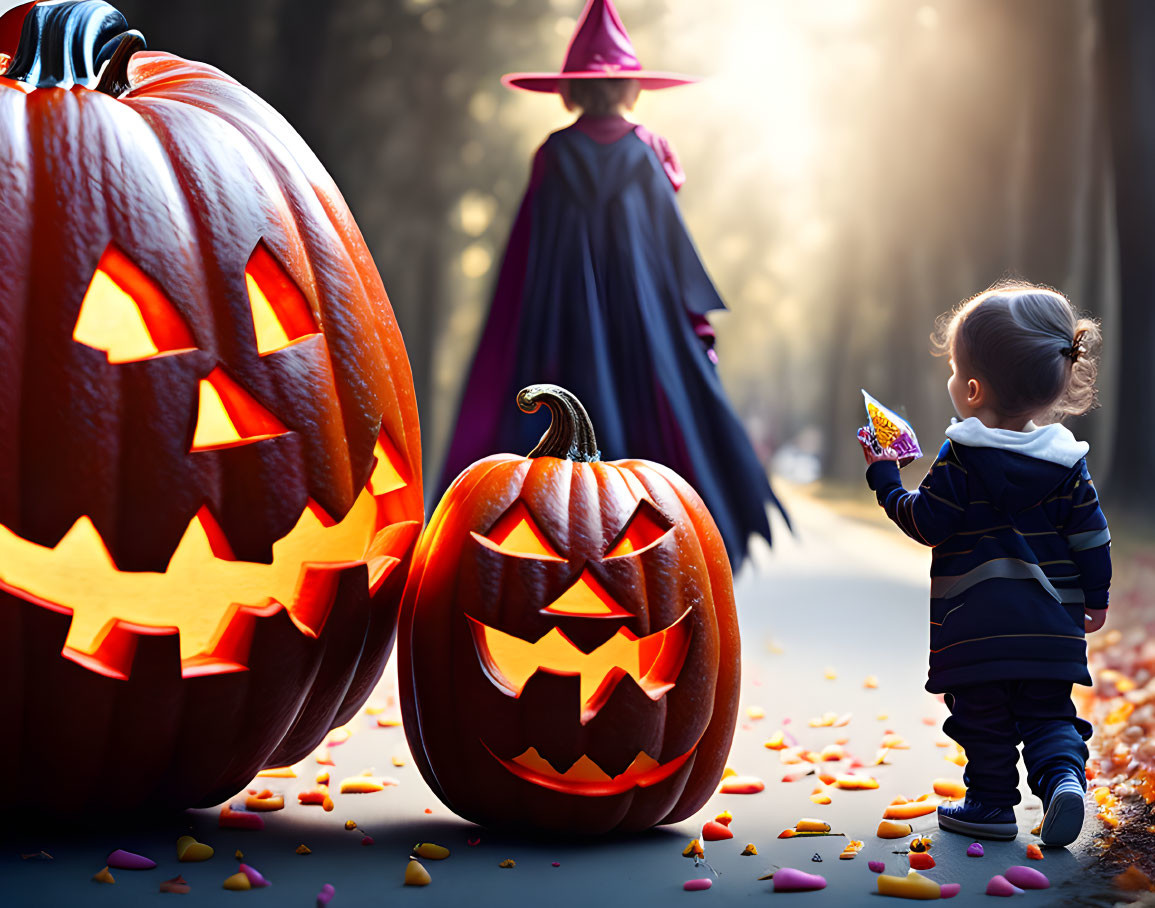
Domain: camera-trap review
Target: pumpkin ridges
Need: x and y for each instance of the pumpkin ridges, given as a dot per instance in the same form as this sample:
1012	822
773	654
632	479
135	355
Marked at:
715	747
15	247
407	670
228	100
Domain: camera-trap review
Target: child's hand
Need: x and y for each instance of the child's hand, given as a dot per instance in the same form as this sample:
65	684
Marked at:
1093	619
873	453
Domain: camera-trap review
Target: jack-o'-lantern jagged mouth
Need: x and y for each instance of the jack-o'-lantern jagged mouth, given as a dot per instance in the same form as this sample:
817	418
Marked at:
653	661
586	778
204	591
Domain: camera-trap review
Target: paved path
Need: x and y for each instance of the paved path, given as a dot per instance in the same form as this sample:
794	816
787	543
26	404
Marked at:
843	595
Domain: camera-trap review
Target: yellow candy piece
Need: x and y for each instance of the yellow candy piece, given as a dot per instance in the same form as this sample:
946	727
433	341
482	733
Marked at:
398	761
323	778
871	682
281	772
304	849
189	849
238	882
349	824
776	741
822	799
749	849
693	850
913	886
416	875
808	825
239	855
755	712
888	829
255	802
729	771
360	785
508	863
856	783
431	851
103	876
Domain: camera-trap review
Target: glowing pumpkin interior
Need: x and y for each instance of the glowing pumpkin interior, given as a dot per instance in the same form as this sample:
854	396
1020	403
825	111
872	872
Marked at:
126	314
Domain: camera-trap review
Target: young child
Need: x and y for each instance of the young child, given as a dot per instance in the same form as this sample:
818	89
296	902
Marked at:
602	291
1021	559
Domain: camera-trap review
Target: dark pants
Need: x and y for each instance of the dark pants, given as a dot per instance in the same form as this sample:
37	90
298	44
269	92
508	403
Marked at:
989	720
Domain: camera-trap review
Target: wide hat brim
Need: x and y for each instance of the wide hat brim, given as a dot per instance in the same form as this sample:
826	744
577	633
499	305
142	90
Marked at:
548	82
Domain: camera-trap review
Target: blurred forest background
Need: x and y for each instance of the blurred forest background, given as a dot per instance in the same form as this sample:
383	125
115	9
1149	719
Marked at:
856	168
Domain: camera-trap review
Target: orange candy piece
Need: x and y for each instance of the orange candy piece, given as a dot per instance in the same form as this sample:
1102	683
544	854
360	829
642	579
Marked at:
920	860
909	811
1034	852
888	829
949	788
713	831
742	785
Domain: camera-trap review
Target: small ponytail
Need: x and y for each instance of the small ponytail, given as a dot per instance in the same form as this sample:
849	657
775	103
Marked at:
1079	395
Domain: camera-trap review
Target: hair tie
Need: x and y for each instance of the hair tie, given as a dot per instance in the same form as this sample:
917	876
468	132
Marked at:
1075	350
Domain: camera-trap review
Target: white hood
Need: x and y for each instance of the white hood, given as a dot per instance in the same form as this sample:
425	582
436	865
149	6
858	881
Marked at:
1053	443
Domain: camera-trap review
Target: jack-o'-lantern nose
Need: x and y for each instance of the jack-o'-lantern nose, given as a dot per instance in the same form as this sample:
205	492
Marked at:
586	599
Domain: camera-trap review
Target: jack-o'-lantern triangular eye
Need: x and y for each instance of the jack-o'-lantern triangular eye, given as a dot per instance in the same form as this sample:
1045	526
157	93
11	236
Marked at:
389	472
645	528
281	314
516	533
126	314
228	416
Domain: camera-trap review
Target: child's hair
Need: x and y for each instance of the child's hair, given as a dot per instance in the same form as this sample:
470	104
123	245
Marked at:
597	97
1027	342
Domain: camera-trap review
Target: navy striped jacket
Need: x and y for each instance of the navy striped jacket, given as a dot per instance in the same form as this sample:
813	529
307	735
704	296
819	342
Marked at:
1020	549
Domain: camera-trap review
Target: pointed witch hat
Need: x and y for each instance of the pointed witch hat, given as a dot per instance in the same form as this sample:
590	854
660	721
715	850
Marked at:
599	49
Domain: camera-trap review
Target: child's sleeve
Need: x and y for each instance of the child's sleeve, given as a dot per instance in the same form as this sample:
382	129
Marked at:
1089	540
934	511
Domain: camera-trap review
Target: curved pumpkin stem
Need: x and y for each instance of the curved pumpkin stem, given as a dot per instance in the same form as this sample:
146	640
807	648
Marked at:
114	79
571	434
65	44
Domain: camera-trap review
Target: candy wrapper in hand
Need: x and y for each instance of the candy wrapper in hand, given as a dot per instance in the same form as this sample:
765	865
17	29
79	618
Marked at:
888	430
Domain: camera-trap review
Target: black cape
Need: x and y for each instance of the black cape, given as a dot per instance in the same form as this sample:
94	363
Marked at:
595	294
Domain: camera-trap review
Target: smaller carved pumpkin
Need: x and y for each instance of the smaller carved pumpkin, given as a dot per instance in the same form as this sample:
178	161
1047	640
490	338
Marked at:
568	649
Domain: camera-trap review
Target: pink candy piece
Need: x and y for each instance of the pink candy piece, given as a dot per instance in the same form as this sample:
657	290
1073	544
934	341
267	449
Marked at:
790	880
1026	877
325	895
1000	885
556	863
367	840
876	866
697	885
255	879
949	890
126	860
974	850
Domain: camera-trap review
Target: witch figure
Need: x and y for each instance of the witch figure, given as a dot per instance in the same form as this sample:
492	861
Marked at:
602	292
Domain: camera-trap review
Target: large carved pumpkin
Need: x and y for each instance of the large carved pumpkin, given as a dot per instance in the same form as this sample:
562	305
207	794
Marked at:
568	649
210	480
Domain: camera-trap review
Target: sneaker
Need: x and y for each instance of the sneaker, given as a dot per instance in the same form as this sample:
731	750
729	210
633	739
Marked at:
973	818
1063	816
